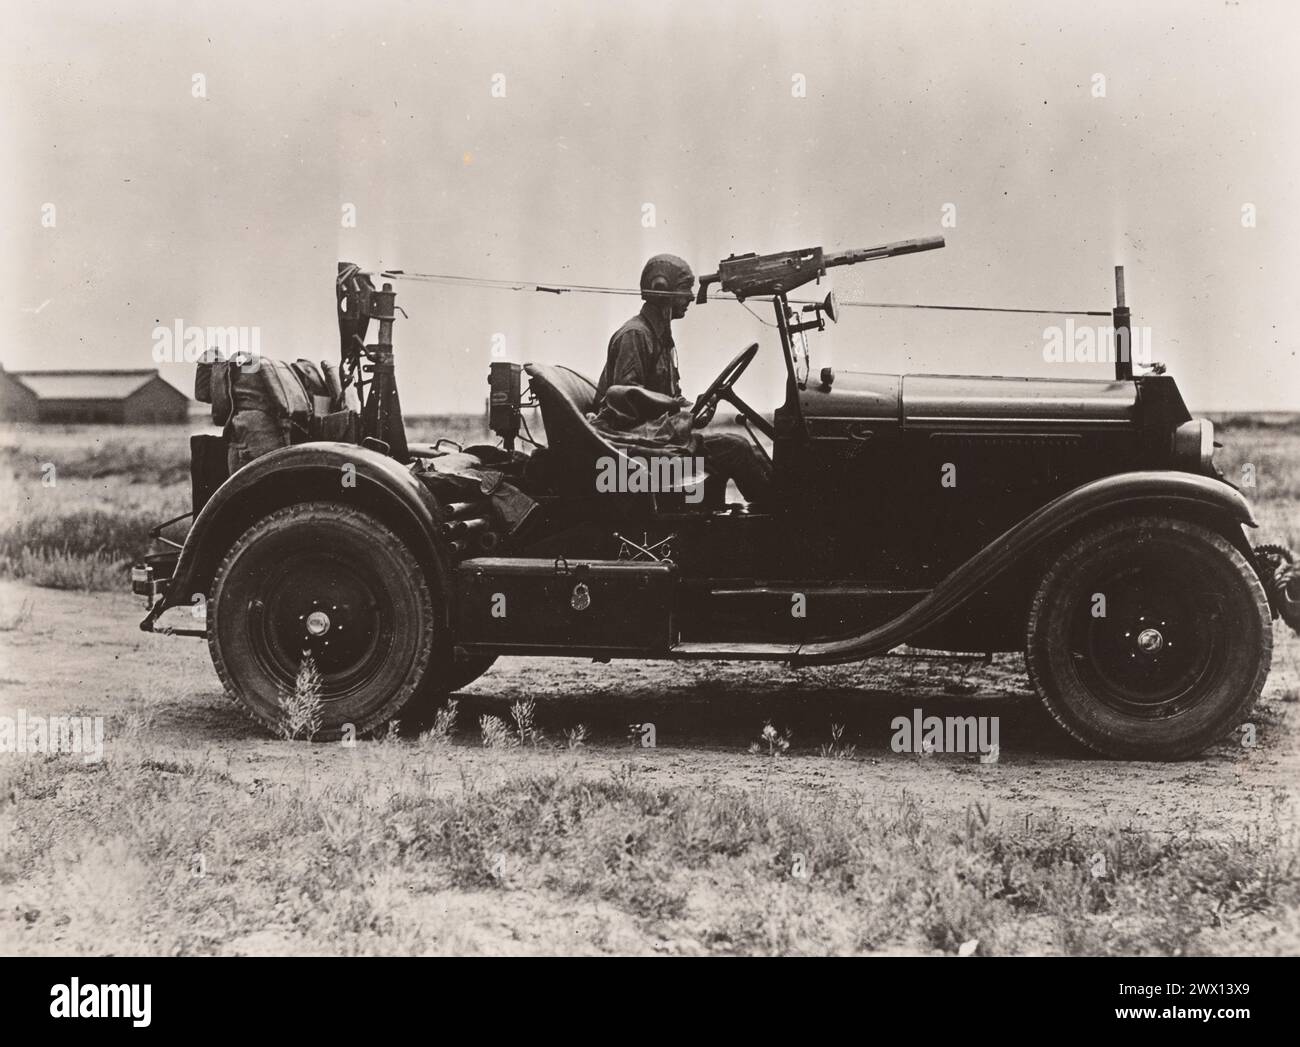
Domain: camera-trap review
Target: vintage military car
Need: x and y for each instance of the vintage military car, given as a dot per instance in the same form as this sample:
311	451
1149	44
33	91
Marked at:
1081	521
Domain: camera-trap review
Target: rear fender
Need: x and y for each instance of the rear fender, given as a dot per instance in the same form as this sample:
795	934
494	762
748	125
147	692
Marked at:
1185	495
336	472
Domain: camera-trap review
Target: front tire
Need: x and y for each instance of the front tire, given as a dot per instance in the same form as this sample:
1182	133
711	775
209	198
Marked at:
332	581
1149	638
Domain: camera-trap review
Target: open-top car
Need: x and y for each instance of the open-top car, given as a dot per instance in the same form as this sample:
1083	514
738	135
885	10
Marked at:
1080	521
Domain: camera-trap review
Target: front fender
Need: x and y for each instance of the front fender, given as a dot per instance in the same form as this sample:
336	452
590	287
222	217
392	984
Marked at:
306	472
1174	493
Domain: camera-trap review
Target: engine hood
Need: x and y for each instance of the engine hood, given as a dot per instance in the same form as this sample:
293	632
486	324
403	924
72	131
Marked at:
948	401
955	400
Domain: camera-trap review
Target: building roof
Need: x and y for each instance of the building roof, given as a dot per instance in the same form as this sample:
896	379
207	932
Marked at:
86	385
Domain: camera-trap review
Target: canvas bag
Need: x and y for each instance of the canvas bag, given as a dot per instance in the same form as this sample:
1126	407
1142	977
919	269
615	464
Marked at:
264	404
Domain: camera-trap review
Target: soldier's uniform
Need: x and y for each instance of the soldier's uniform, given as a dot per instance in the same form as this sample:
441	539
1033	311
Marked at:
642	352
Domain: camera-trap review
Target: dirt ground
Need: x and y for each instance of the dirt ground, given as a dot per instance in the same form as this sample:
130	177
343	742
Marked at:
83	653
686	847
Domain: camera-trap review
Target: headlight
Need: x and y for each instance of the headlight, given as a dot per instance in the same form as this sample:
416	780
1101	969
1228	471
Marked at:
1194	444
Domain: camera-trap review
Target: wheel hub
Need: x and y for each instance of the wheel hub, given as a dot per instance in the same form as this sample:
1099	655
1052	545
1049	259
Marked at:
321	604
1150	640
1147	656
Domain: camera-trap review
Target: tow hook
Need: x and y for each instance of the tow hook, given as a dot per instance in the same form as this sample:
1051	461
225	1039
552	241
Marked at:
1281	578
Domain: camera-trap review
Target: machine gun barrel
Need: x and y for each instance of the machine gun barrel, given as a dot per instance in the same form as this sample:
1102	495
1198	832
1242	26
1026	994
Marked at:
869	254
749	275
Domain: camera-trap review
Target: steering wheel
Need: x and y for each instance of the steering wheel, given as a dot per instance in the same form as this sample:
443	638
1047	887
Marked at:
720	389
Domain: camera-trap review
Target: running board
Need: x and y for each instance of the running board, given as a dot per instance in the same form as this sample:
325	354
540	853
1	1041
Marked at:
775	652
739	652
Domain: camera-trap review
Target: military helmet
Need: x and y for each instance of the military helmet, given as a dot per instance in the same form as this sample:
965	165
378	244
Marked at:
664	272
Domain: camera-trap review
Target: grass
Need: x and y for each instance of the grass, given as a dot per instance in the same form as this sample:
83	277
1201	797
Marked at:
302	710
78	502
158	455
342	867
71	543
342	858
444	726
496	734
88	571
835	749
1262	462
17	620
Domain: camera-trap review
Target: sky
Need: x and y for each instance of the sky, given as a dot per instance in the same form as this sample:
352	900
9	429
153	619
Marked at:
203	159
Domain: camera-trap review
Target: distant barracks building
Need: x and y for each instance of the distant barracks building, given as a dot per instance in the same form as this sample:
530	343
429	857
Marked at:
104	397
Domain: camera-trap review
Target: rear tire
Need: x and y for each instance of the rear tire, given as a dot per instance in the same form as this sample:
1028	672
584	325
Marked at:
333	581
1178	657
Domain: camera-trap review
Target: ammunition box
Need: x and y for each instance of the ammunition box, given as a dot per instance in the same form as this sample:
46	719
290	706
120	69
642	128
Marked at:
605	608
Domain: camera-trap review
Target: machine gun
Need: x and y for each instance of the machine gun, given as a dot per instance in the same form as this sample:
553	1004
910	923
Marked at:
748	275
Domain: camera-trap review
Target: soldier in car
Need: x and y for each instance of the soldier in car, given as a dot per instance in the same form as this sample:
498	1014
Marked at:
642	354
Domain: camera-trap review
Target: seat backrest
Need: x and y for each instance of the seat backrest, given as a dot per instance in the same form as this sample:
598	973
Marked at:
566	397
577	388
